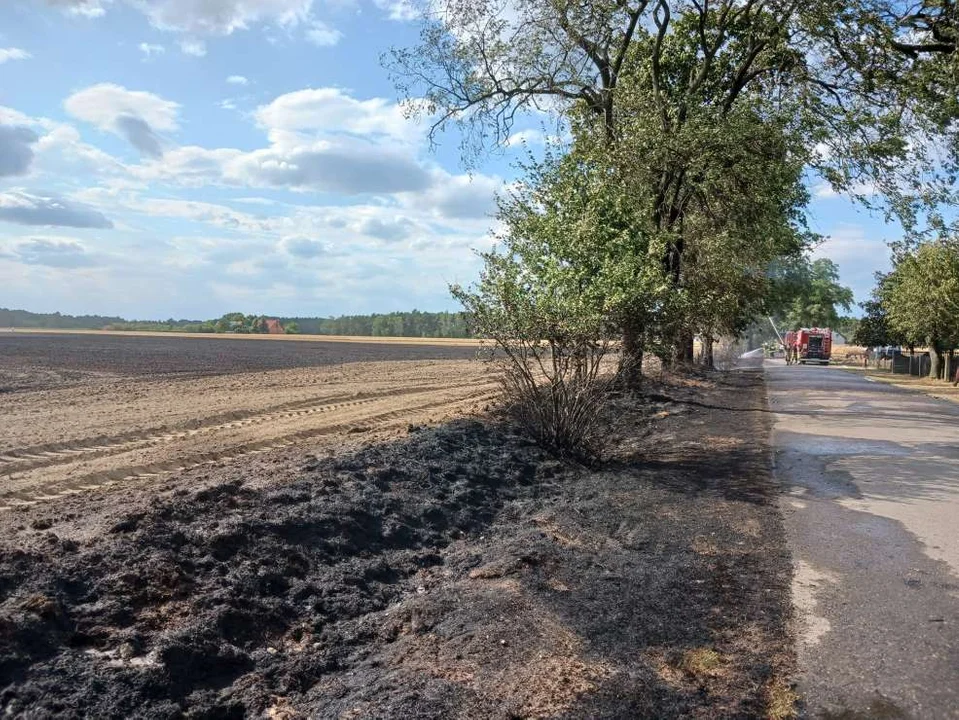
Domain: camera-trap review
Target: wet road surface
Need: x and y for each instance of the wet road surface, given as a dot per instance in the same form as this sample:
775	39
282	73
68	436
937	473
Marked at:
871	505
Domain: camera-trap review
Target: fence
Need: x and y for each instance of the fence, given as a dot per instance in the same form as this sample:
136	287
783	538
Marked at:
915	365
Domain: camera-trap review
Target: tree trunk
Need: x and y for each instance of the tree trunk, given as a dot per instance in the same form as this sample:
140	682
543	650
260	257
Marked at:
933	360
683	348
631	362
708	362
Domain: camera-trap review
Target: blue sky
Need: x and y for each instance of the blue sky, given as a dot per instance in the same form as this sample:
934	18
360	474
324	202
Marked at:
186	158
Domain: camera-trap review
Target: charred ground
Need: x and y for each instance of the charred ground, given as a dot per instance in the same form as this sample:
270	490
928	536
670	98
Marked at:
459	572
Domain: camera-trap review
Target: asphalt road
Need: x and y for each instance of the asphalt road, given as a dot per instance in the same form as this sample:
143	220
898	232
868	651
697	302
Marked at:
871	505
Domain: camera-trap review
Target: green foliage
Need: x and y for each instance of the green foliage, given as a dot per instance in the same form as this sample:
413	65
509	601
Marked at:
573	266
396	324
874	328
921	296
25	319
809	294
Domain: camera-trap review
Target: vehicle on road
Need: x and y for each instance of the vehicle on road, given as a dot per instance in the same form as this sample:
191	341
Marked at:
809	345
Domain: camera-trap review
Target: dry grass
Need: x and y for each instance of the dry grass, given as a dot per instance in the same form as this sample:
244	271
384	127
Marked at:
935	388
781	700
702	663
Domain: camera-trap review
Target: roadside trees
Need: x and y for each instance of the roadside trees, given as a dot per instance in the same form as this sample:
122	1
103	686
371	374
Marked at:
865	91
921	297
818	294
571	268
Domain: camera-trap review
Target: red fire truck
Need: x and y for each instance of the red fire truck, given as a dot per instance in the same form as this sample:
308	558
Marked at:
809	345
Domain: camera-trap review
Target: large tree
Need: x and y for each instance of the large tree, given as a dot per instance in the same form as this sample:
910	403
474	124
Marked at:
815	295
921	297
860	89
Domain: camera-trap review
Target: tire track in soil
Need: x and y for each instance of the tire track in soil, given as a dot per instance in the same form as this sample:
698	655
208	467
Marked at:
27	458
387	419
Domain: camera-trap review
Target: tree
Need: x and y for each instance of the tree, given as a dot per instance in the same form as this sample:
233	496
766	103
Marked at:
859	90
921	297
571	266
874	328
817	295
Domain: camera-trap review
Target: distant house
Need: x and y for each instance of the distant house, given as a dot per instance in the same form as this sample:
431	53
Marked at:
273	327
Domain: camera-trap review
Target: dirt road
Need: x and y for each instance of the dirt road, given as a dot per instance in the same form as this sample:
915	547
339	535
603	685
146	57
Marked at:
872	479
86	414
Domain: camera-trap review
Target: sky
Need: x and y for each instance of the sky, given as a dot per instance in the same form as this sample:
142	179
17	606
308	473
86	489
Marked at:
188	158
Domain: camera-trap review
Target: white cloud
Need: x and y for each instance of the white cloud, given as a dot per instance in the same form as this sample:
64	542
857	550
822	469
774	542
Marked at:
192	46
18	206
526	137
389	229
149	49
322	35
62	252
9	116
237	80
330	110
133	115
823	190
210	213
83	8
62	145
345	167
16	149
459	196
58	147
858	254
13	53
401	10
303	247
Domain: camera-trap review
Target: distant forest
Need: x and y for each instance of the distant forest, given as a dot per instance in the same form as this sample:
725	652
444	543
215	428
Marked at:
396	324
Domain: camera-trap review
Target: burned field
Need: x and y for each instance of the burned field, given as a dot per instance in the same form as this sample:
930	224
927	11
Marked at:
86	412
40	361
456	571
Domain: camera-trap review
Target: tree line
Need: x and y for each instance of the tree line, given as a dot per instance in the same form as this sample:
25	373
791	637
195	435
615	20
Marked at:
917	303
415	323
394	324
679	204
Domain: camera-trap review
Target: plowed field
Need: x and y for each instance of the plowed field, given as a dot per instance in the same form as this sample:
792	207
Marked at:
83	412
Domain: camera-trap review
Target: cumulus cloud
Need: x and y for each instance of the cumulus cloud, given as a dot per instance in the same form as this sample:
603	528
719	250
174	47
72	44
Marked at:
341	167
16	149
12	53
303	247
847	245
401	10
460	196
149	49
194	47
52	252
25	208
132	114
330	110
139	134
237	80
214	17
322	35
84	8
346	167
390	230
